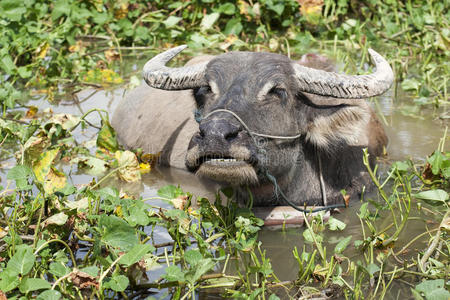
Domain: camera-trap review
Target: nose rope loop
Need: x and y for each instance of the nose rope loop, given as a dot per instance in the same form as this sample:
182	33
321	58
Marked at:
198	117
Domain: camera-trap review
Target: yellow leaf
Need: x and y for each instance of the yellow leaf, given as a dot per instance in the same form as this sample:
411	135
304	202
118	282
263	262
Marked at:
42	50
54	181
129	166
144	168
42	167
118	211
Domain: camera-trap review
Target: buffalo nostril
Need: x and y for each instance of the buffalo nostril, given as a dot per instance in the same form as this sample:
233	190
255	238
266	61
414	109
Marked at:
231	135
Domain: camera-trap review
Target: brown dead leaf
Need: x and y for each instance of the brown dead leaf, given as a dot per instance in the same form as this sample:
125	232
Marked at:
122	11
3	296
112	55
31	112
179	202
83	280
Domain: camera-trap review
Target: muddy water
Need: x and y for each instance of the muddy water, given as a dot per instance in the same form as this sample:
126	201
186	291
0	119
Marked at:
412	133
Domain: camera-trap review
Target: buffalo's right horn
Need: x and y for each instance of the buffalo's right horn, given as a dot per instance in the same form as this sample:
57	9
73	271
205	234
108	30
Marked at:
157	75
336	85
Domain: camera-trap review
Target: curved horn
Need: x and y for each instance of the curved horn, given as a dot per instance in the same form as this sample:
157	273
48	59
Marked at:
346	86
157	75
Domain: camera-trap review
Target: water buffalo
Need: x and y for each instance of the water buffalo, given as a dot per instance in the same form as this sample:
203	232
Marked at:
259	117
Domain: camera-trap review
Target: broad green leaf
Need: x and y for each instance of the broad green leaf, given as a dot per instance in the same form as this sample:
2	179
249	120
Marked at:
342	245
172	21
209	20
22	261
193	257
308	236
135	254
436	161
433	195
227	8
7	64
174	273
198	270
42	167
59	269
117	233
107	138
233	26
169	192
49	295
410	85
8	281
20	174
335	224
372	269
117	283
33	284
91	270
433	289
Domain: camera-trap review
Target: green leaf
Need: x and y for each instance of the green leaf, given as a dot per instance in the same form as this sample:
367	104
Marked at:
433	195
342	245
309	236
59	269
49	295
7	64
227	8
198	270
335	224
174	273
20	174
433	289
209	20
410	85
233	26
172	21
8	281
436	161
33	284
136	254
107	138
169	192
117	283
22	261
193	257
12	9
91	270
372	269
91	165
117	233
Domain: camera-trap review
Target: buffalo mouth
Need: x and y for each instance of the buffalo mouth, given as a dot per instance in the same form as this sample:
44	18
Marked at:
232	169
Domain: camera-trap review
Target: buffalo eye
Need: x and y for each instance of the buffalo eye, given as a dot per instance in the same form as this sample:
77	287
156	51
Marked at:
201	94
278	92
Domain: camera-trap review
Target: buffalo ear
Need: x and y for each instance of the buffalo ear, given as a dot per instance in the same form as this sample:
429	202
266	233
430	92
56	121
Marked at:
336	125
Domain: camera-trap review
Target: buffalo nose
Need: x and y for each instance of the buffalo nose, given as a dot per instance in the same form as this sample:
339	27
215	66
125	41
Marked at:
219	130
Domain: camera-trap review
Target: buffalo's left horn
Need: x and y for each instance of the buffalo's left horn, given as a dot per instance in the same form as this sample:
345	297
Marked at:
346	86
157	75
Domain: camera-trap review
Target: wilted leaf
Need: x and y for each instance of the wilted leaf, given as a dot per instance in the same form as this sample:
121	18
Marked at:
112	55
179	202
55	180
67	121
83	280
129	166
311	10
57	219
93	166
107	137
42	167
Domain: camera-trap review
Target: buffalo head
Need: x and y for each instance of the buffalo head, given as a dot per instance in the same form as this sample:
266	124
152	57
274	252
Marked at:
262	113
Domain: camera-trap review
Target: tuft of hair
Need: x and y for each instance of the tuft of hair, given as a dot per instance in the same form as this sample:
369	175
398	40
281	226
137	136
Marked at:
234	175
347	125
